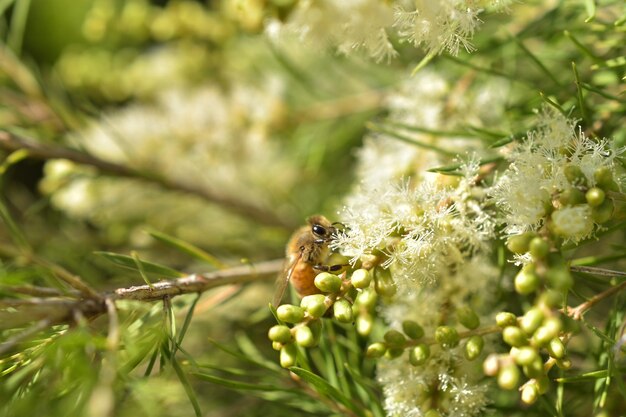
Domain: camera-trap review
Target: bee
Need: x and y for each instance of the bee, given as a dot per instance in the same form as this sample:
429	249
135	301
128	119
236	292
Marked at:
306	253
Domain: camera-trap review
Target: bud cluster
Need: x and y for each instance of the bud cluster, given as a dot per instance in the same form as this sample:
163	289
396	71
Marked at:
412	338
346	300
536	344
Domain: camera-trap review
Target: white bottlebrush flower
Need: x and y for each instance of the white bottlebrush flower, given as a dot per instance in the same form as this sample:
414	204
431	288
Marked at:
530	187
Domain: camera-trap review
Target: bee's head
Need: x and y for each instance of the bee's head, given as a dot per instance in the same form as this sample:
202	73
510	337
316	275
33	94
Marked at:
321	228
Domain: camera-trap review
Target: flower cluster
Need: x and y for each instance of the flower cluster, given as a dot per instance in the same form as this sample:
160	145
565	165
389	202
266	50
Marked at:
446	25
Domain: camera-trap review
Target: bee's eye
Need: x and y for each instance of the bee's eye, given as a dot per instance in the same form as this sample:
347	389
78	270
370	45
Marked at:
319	230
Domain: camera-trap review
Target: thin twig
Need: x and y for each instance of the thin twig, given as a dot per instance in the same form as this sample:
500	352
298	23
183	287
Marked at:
597	271
31	331
38	150
113	337
36	291
577	312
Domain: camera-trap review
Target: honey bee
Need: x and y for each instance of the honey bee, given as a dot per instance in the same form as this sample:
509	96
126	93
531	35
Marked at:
306	253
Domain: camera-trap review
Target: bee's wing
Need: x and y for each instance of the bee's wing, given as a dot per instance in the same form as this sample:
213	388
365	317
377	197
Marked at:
283	279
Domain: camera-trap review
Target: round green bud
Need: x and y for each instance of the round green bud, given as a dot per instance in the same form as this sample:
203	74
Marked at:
504	319
604	212
467	317
531	320
279	333
315	305
526	280
412	329
327	282
571	197
277	345
474	347
564	363
394	338
491	365
361	278
603	175
376	350
290	313
538	248
525	355
595	196
530	393
383	283
508	377
519	243
543	384
550	299
556	348
574	175
447	336
432	413
288	355
304	337
534	369
364	324
560	278
513	336
342	311
367	299
394	352
547	331
419	354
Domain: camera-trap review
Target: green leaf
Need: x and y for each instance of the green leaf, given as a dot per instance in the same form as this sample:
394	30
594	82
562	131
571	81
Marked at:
18	24
452	168
187	248
325	389
586	377
403	138
191	394
4	5
229	383
149	267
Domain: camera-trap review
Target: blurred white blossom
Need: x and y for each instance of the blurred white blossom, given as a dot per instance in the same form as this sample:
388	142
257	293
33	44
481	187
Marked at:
351	25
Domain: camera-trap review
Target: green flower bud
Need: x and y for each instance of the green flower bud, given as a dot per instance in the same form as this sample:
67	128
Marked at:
290	313
327	282
419	354
538	248
572	197
547	331
526	280
279	333
316	328
550	299
534	369
530	393
560	278
367	299
513	336
508	377
525	355
361	278
383	283
432	413
304	337
288	355
531	320
491	365
595	196
556	348
574	175
564	363
604	178
467	317
412	329
342	311
394	338
277	345
376	350
447	336
504	319
543	384
315	305
394	352
364	324
474	347
604	212
519	243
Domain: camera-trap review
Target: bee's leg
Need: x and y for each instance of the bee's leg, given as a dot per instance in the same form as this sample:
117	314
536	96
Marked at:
329	268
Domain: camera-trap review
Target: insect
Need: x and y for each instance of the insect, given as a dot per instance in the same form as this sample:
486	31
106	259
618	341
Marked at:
306	252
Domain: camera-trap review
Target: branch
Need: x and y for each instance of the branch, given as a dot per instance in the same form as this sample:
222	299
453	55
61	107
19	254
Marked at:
577	312
38	150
